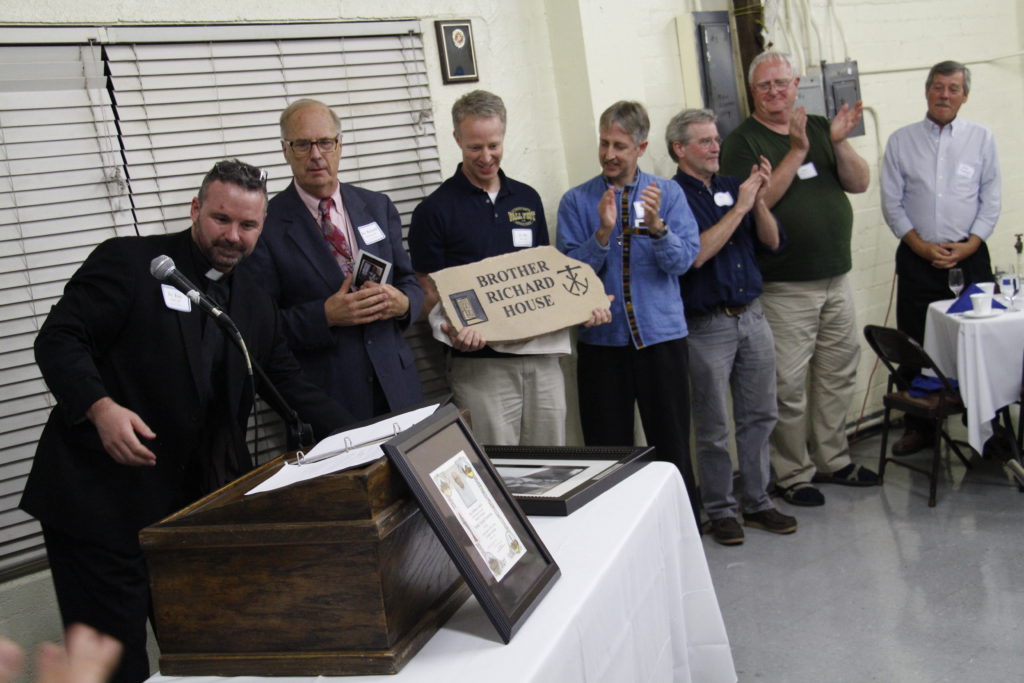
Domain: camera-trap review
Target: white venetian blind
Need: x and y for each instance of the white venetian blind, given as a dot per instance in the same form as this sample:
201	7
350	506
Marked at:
182	106
61	194
126	154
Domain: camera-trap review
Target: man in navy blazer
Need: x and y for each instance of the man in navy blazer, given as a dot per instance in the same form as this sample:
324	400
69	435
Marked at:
152	401
348	339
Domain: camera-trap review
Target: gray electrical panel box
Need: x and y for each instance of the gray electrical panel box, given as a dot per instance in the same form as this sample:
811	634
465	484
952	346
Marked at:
841	83
809	93
718	69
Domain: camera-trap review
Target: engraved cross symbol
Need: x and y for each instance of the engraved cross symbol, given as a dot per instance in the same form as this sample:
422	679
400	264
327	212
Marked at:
574	286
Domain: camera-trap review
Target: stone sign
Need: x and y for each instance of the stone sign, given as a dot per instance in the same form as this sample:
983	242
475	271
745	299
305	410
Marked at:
520	295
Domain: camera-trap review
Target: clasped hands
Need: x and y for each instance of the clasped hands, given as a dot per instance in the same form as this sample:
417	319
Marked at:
372	301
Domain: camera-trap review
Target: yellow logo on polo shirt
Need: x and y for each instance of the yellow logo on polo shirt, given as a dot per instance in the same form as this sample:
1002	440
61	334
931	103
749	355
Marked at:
522	216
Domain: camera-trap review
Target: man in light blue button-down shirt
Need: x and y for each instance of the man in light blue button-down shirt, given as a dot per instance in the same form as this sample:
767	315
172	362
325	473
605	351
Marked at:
941	198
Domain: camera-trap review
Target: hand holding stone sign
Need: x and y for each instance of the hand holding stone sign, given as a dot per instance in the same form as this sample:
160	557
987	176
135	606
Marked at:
520	295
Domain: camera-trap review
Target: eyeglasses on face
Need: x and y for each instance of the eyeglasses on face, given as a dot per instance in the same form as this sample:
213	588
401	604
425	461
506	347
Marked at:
778	84
303	147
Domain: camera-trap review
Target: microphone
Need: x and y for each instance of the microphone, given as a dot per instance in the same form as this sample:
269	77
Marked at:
162	268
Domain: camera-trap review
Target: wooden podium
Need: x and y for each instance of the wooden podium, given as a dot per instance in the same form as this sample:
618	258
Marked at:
339	575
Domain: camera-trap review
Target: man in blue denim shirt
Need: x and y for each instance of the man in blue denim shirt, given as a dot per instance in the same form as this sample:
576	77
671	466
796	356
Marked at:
730	343
637	232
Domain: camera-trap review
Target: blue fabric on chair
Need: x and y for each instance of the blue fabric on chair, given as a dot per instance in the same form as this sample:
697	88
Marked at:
963	302
922	385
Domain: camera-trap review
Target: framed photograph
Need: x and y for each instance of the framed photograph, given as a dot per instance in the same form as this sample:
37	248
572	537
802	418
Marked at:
370	268
558	480
458	55
478	521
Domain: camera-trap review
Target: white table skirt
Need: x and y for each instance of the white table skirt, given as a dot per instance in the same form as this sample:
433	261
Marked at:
984	355
634	603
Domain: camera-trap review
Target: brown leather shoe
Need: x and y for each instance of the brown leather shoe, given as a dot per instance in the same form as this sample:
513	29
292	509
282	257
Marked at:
727	531
911	442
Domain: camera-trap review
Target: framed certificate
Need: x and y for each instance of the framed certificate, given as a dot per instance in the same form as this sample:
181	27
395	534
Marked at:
557	480
479	523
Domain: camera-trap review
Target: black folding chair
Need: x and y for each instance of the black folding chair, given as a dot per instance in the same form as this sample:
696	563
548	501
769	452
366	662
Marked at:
897	348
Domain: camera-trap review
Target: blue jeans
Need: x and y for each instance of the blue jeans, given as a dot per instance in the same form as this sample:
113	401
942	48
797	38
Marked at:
734	354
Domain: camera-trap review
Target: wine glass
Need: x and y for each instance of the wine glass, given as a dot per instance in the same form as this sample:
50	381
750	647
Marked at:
956	281
1009	285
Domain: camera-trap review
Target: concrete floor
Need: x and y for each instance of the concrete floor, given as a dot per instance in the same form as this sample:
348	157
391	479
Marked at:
877	586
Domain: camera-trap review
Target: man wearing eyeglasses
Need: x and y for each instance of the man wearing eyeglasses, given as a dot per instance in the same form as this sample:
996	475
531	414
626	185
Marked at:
730	343
152	401
807	296
347	336
941	198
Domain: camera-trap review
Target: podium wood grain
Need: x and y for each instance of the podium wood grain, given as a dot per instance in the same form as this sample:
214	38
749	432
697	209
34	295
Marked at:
338	575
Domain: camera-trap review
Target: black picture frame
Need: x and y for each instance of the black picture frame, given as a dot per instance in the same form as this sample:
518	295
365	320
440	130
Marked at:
432	456
456	50
616	463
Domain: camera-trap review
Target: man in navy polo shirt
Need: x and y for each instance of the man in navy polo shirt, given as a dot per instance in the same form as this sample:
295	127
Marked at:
479	212
730	342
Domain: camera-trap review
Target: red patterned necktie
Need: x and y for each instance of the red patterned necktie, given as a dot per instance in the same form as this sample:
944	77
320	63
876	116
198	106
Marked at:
335	237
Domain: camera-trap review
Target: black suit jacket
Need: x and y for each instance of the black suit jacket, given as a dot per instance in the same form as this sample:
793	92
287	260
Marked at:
112	334
294	264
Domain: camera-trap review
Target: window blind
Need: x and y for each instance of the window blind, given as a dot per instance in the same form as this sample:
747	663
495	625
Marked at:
111	137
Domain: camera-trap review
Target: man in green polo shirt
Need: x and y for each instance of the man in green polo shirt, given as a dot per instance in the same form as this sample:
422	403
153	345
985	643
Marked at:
807	296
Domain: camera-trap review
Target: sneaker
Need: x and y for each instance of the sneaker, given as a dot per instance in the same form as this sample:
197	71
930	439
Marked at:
770	520
727	531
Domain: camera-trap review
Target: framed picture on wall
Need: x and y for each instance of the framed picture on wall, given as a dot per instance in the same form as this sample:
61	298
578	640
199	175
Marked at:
458	55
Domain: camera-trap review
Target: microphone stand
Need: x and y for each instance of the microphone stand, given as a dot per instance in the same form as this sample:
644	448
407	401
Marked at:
302	431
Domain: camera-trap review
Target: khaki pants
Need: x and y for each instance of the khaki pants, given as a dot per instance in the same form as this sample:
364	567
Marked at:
816	356
518	401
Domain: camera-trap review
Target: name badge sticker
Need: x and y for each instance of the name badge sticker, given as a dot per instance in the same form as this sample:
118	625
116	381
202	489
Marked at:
638	210
175	300
371	233
807	171
522	237
723	199
965	171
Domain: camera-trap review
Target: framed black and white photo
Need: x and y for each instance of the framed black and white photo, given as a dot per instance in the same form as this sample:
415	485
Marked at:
478	521
370	268
558	480
457	52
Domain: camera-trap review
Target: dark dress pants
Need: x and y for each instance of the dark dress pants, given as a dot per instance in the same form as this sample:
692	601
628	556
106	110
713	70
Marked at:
106	589
918	285
611	379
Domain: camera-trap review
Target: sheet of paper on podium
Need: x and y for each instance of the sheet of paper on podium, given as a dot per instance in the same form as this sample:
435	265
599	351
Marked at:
343	451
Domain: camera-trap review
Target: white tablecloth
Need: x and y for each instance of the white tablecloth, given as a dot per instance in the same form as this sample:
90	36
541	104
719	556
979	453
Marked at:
634	603
984	355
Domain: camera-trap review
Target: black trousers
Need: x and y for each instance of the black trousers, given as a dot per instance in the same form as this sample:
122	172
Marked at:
106	589
611	379
918	285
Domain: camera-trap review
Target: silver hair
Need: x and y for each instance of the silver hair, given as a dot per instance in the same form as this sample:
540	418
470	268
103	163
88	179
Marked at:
678	129
769	56
630	116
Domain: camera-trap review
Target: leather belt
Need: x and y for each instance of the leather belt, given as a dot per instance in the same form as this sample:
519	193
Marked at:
734	311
